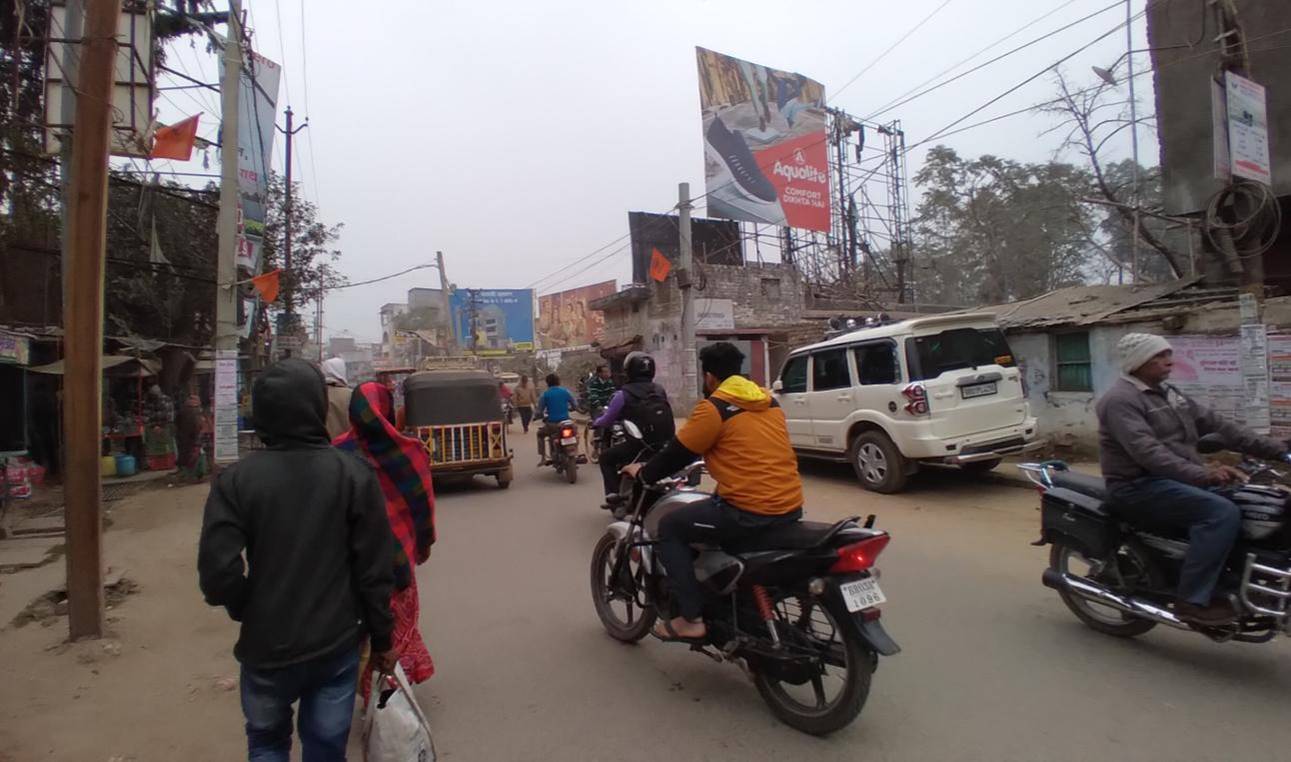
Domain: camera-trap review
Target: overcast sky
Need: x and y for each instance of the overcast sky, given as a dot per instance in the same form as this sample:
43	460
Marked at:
515	136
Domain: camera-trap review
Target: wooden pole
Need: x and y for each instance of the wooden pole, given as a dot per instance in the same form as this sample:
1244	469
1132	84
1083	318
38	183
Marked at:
83	317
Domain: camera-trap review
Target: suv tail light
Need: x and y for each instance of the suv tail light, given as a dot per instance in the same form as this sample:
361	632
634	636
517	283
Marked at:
860	556
916	399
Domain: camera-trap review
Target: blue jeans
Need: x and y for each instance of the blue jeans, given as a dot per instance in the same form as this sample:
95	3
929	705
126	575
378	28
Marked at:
325	689
1212	520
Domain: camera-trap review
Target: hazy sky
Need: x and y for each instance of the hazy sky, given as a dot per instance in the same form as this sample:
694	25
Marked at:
515	136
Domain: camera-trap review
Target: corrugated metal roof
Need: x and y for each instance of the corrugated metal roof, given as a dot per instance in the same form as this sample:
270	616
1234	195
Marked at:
1085	305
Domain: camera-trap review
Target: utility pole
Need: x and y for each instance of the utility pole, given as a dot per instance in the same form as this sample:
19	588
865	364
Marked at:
83	317
226	270
1134	138
290	284
447	321
689	370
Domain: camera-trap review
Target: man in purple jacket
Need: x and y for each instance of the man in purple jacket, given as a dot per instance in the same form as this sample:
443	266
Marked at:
1147	436
643	402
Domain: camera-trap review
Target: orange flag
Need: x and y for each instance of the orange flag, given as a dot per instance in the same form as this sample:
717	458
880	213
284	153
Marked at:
659	266
175	141
267	285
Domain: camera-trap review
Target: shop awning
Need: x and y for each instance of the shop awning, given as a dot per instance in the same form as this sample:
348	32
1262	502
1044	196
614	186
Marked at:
116	366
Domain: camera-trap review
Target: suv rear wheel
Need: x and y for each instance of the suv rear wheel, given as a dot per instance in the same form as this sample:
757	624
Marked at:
879	465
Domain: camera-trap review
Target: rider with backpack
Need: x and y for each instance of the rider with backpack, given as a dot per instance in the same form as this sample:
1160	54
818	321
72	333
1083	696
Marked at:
643	402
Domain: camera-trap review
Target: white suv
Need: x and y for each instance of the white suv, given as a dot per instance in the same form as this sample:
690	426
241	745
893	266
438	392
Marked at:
943	390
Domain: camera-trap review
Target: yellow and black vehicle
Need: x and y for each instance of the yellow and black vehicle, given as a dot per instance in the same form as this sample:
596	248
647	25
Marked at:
458	416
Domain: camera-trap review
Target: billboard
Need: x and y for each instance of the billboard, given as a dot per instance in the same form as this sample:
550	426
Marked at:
257	107
713	242
564	319
493	321
765	155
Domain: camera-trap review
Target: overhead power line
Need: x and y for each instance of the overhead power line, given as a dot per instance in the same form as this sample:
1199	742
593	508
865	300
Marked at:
892	47
902	99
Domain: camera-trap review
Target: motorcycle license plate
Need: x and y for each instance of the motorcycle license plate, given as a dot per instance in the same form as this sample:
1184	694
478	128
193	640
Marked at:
569	440
862	594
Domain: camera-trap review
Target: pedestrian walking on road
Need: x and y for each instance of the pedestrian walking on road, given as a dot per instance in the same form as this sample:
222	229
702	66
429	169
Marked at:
525	397
338	397
403	468
317	576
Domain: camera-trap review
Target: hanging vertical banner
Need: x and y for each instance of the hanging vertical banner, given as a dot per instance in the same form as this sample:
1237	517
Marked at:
1248	129
257	105
226	406
765	153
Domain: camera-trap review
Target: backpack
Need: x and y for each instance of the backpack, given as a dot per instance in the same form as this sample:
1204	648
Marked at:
646	405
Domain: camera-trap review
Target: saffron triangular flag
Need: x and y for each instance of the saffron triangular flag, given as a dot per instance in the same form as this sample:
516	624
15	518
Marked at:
175	141
267	285
659	266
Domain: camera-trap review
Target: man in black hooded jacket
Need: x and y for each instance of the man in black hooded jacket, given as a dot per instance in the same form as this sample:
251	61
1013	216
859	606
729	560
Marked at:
310	522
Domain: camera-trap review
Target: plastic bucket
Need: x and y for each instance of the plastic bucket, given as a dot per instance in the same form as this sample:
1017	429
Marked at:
126	465
107	466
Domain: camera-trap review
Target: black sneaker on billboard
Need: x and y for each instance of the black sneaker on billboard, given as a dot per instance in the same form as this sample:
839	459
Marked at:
734	153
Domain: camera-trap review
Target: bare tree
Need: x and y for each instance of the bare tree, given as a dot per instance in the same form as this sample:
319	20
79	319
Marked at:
1090	120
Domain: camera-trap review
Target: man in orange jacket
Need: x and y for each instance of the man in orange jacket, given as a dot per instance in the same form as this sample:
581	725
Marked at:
741	433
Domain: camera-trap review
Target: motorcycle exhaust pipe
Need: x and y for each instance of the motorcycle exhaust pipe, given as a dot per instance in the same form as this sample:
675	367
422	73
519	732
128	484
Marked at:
1092	591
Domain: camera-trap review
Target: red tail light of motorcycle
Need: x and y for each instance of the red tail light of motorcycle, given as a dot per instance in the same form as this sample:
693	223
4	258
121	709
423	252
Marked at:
916	399
567	432
860	556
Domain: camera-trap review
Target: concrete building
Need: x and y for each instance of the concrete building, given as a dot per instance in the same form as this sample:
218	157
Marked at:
389	341
759	307
1065	343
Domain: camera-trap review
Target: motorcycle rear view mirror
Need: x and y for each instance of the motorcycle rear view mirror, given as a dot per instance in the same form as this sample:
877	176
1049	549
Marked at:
633	430
1210	444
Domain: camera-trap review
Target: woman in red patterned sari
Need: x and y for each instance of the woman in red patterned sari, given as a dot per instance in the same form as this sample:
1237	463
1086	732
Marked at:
403	468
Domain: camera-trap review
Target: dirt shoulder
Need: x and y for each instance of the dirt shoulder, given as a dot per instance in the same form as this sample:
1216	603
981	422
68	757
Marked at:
162	686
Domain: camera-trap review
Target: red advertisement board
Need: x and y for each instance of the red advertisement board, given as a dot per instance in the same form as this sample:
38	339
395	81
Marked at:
765	157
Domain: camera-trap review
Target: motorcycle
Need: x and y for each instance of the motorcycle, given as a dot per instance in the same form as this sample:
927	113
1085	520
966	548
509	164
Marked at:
796	606
562	450
1119	578
596	440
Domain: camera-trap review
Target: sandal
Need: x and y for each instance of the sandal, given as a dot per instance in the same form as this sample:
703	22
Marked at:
670	635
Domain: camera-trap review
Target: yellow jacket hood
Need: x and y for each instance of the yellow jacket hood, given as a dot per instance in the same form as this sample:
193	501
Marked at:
740	391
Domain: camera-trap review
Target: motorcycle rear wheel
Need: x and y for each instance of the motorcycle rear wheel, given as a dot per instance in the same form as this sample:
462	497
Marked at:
571	470
819	624
626	628
1106	620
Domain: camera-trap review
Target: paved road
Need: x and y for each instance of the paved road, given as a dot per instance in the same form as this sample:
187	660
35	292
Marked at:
993	668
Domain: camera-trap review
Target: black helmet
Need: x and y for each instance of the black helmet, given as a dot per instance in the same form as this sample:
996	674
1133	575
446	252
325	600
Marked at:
639	366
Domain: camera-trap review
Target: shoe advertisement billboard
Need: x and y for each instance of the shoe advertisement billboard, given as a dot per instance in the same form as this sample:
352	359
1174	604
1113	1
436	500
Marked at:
765	153
493	321
565	321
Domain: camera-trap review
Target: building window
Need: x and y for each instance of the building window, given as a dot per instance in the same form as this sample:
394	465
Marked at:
1072	361
771	288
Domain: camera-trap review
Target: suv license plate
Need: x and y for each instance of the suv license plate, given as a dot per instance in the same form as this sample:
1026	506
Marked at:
862	594
978	390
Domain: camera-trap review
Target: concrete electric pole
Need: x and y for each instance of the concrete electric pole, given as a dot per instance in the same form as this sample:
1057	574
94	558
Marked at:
689	368
226	269
86	245
289	281
446	324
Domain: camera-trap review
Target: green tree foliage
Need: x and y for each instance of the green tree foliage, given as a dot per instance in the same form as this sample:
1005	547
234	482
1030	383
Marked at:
991	230
314	252
174	299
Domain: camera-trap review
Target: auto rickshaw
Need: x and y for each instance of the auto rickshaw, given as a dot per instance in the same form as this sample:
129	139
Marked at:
457	415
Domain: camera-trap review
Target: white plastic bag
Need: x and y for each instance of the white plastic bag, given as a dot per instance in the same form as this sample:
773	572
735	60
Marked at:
397	731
